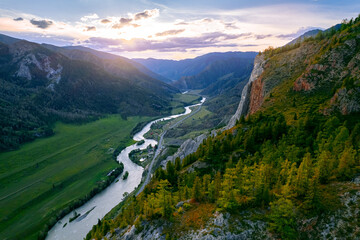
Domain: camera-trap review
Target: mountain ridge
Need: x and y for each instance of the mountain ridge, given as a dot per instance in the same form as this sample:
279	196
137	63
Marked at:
55	87
175	69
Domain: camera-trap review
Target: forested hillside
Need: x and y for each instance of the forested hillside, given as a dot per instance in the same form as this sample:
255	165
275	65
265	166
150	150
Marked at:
288	164
41	86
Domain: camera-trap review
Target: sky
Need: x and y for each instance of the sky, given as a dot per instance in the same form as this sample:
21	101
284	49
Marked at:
169	29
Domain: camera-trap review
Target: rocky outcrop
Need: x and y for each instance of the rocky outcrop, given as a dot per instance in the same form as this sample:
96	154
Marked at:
345	101
151	231
313	72
188	147
343	223
220	226
256	95
242	109
34	65
224	226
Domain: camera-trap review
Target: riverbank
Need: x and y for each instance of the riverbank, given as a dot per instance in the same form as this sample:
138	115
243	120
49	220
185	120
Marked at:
50	174
111	196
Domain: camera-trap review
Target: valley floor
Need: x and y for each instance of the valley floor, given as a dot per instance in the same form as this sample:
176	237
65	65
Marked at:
47	175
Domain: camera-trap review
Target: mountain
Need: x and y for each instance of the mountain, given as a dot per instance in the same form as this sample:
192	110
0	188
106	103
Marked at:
41	85
287	169
117	66
174	70
221	76
313	33
130	64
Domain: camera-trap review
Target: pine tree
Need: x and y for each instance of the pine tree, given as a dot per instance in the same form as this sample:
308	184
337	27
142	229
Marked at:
171	174
283	219
196	190
303	173
325	166
177	164
346	164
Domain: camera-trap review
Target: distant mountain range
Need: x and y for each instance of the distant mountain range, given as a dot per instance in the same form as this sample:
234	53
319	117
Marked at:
175	70
44	83
221	76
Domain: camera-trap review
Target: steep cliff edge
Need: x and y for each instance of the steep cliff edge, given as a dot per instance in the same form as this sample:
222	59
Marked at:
326	69
242	109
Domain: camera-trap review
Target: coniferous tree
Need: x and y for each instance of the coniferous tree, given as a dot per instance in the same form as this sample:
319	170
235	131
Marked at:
196	190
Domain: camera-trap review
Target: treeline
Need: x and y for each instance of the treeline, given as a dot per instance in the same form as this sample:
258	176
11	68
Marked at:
81	201
264	162
24	119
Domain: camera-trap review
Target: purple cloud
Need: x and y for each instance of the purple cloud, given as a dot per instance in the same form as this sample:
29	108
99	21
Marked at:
18	19
297	33
43	24
146	14
182	23
231	25
258	37
215	39
125	22
170	32
90	28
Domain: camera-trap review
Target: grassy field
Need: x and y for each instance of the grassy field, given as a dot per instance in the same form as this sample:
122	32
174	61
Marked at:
46	175
182	100
191	127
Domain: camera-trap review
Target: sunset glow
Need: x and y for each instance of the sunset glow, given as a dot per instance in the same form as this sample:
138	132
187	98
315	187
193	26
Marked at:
168	31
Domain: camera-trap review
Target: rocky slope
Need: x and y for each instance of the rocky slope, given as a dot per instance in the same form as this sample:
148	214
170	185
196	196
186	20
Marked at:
329	67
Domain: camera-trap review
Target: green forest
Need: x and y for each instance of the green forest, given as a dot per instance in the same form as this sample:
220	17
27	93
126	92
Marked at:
263	162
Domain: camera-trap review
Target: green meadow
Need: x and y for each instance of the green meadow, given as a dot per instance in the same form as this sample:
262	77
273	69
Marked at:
48	174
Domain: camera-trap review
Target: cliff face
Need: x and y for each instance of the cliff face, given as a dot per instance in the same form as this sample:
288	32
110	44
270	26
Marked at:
277	69
327	70
340	68
243	107
256	95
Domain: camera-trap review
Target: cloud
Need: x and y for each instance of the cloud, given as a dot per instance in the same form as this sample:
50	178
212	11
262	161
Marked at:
230	25
105	21
262	36
43	24
170	32
208	20
132	19
90	28
89	17
176	44
18	19
147	14
297	33
182	23
125	22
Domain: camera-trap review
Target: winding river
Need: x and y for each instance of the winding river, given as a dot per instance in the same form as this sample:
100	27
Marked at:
97	207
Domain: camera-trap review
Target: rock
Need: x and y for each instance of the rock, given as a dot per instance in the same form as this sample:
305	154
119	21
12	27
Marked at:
242	109
180	204
197	165
188	147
